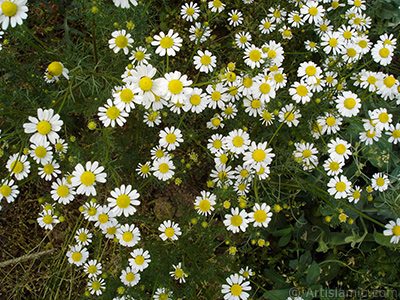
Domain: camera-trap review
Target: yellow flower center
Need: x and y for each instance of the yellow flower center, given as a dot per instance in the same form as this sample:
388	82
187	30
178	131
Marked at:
113	112
389	81
363	44
302	91
123	201
145	83
255	103
126	95
40	151
92	211
175	86
47	219
103	218
5	191
127	236
121	41
333	42
217	3
236	220
130	277
222	175
259	155
88	178
260	216
356	194
231	76
163	168
217	144
267	116
330	121
287	33
357	3
159	153
111	230
396	230
255	55
243	39
296	18
237	141
396	133
139	260
76	256
267	25
48	169
380	181
139	55
96	285
190	11
62	191
384	52
340	186
171	138
371	80
59	147
289	116
216	95
169	232
335	4
384	117
179	273
83	238
204	205
265	88
349	103
43	127
92	269
166	42
347	35
205	60
340	149
55	68
277	14
306	153
279	77
370	134
195	99
247	82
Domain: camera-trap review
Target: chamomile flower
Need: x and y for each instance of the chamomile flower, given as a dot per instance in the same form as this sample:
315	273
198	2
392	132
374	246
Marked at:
216	6
42	154
286	32
311	46
190	11
237	220
96	286
124	100
128	235
143	169
370	136
104	217
90	210
393	228
54	71
77	255
295	20
354	194
49	170
309	71
130	277
61	146
243	39
235	18
312	12
204	61
144	85
382	54
178	273
120	41
258	155
199	32
339	149
86	178
162	294
8	190
394	133
62	191
204	204
44	127
389	88
111	230
267	118
163	168
122	200
290	115
329	123
140	259
176	86
12	12
158	152
168	44
125	3
348	104
253	56
47	219
215	143
19	166
92	268
218	95
307	153
236	288
139	56
111	115
381	118
169	230
274	51
152	118
277	14
261	215
247	272
380	182
83	236
237	141
339	187
266	26
300	92
332	41
170	138
196	101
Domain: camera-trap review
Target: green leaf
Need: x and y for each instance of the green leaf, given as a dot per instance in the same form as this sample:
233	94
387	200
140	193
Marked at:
277	294
313	273
164	26
272	275
282	232
384	240
283	241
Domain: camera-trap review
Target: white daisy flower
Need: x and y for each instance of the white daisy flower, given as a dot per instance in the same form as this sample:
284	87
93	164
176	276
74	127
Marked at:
204	204
354	194
162	294
204	61
237	141
178	273
86	178
19	166
96	285
333	167
168	44
258	155
339	187
199	32
130	277
190	11
120	41
222	174
111	115
216	6
104	217
243	39
380	182
111	230
332	42
261	215
47	219
139	56
218	95
143	169
301	92
170	138
393	228
348	104
339	149
44	126
125	3
237	220
394	133
169	230
176	87
42	154
8	190
329	123
61	146
125	99
12	12
382	54
90	210
122	200
235	18
83	236
92	268
54	71
77	255
62	191
215	143
140	259
274	51
196	101
50	170
266	26
128	235
236	289
290	115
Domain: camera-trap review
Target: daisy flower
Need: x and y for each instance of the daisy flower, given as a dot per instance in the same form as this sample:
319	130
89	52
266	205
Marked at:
382	54
196	101
163	168
12	12
169	230
237	141
41	154
236	288
143	169
8	190
312	12
125	3
300	92
170	138
393	228
120	40
286	32
45	126
139	56
348	104
152	118
274	52
61	146
215	143
50	170
144	85
266	26
243	39
388	87
176	86
104	217
253	56
204	204
140	259
258	155
96	285
295	19
235	18
290	115
246	273
329	123
158	152
199	32
19	166
394	133
370	136
339	187
354	194
162	294
77	255
237	220
124	100
111	231
83	237
204	61
91	210
339	149
190	11
178	273
92	268
168	44
130	277
111	115
309	71
216	6
381	119
307	153
261	215
277	14
222	174
332	42
47	219
86	178
128	235
122	199
380	182
62	191
218	95
311	46
54	71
